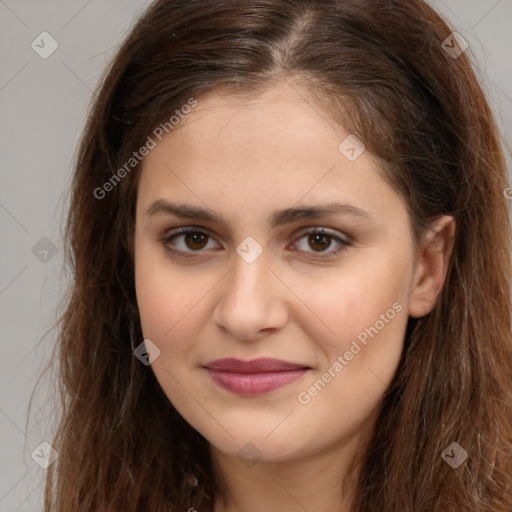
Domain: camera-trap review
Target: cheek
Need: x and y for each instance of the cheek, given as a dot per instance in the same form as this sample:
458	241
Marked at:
368	315
168	301
361	303
171	315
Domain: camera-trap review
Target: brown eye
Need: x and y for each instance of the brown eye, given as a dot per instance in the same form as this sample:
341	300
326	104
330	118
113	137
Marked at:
187	241
319	241
195	240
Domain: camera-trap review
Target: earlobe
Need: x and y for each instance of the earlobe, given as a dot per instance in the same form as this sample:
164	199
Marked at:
432	266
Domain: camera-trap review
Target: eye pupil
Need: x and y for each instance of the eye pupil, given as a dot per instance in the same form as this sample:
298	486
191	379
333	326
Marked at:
196	238
319	238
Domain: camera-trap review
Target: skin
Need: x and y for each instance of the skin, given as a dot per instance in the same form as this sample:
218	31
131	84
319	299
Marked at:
244	158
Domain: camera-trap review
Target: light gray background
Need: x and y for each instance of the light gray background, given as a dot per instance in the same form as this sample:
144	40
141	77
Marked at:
43	103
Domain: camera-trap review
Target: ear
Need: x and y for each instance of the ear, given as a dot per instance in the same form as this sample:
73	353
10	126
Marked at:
431	266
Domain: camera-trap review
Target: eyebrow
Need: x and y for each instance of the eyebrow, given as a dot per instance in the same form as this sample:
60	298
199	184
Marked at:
279	217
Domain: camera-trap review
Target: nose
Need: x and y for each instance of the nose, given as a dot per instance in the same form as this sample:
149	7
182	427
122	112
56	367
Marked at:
252	300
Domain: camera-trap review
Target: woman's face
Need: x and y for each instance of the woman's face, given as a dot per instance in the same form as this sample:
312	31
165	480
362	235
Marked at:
257	180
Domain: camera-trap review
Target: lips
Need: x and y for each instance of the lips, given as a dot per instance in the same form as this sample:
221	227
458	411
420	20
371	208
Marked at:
254	377
260	365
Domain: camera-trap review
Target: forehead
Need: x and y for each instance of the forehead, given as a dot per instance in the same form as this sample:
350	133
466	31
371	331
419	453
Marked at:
277	147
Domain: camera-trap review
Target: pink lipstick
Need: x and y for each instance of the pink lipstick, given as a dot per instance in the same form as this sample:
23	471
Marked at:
254	377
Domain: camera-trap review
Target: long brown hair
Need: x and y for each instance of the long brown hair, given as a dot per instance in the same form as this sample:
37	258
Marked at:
383	67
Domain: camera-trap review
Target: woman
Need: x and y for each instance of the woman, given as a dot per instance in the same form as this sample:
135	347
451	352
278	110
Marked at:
291	250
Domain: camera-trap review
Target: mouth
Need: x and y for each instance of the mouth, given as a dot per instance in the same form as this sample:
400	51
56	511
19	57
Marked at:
254	377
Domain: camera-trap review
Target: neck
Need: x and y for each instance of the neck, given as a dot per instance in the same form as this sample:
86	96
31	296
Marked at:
321	481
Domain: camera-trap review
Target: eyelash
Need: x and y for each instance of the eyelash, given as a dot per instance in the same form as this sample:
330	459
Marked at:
344	244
